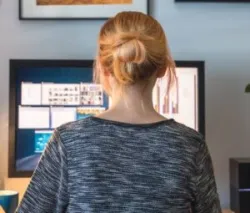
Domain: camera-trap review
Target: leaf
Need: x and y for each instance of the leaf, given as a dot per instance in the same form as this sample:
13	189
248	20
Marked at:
247	89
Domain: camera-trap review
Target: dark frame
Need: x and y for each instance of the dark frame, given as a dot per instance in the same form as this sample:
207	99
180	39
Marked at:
15	64
67	19
213	1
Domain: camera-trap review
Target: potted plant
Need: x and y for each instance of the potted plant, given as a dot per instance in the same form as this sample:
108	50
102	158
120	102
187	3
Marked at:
247	92
247	89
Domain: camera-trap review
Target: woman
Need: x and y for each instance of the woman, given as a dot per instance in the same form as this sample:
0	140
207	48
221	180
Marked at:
130	158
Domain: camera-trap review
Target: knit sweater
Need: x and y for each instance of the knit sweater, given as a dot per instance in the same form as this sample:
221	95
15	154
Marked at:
96	165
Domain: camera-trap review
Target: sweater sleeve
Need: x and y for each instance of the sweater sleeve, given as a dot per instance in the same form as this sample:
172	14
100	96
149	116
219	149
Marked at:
206	199
47	191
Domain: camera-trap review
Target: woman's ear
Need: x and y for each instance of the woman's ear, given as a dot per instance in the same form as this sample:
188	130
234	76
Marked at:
161	73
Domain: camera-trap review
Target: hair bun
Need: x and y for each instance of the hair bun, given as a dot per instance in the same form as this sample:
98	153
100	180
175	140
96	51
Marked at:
130	47
123	38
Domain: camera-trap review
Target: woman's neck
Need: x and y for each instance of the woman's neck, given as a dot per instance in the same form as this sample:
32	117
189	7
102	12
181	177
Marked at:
132	106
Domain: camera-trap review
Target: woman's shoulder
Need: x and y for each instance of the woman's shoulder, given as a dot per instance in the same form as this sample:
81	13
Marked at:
72	132
186	133
74	128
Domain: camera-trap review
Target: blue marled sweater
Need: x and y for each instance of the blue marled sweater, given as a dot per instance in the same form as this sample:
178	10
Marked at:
95	165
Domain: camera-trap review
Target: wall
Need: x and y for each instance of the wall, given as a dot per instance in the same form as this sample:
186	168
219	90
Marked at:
216	33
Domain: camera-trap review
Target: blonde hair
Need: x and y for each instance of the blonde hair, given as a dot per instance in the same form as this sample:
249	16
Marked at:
132	47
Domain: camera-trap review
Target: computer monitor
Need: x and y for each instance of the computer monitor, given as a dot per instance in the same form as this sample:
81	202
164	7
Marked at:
45	94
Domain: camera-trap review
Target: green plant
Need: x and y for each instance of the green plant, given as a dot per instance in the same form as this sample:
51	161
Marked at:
247	89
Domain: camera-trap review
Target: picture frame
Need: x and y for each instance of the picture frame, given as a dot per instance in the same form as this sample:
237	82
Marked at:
62	10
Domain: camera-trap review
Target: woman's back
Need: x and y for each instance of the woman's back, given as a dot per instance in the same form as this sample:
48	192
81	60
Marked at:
99	165
110	164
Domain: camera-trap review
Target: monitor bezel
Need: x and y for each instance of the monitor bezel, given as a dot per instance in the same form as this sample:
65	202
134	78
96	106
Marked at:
19	63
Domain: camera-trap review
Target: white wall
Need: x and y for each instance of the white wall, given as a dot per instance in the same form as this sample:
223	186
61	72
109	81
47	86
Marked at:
216	33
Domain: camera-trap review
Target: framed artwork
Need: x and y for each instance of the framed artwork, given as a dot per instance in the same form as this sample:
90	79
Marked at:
77	9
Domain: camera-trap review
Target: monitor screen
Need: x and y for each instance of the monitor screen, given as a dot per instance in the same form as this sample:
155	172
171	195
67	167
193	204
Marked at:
45	94
181	103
